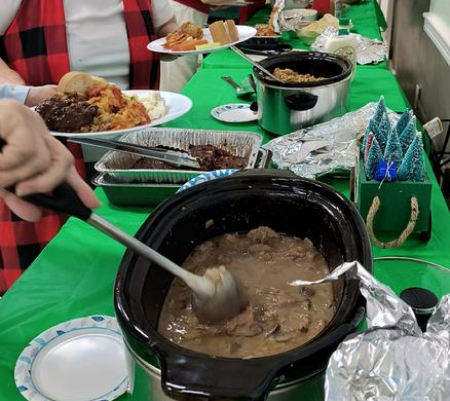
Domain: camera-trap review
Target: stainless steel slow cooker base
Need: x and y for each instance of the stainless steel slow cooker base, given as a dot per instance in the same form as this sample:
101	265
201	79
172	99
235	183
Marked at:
145	384
285	107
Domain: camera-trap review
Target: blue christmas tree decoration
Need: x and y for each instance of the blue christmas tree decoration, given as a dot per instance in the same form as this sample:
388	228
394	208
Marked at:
379	111
403	121
393	151
384	131
413	167
418	166
374	157
408	134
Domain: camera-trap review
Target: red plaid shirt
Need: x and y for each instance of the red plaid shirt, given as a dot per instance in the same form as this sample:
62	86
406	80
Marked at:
35	46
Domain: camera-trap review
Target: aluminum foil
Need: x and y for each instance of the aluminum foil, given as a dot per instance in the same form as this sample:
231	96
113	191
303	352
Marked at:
293	20
369	51
323	148
393	360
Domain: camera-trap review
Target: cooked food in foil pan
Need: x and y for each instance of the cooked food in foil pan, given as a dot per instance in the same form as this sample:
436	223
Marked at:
213	150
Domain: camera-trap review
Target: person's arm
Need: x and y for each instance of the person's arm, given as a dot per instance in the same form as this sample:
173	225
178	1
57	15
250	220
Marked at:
9	76
169	26
28	95
33	161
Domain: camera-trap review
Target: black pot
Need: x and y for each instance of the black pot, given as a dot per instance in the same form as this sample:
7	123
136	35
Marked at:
239	203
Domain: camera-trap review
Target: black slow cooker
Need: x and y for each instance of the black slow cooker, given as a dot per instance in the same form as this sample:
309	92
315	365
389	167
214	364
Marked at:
239	203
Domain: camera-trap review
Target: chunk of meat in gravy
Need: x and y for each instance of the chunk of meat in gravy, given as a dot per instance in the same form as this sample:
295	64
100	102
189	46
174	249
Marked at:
244	324
280	317
264	235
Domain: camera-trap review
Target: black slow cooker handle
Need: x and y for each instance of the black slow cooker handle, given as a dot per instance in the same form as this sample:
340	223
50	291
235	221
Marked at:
210	378
187	378
301	101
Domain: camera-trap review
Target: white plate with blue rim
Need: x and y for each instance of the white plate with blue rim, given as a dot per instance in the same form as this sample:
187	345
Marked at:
79	360
234	113
209	176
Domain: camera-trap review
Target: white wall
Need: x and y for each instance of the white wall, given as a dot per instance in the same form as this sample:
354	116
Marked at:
437	26
441	8
384	5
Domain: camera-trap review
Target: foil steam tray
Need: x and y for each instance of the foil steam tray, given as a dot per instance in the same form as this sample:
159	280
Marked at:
129	194
122	167
150	194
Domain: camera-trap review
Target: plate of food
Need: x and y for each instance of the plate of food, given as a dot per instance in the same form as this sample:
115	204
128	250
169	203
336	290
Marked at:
266	31
191	39
88	106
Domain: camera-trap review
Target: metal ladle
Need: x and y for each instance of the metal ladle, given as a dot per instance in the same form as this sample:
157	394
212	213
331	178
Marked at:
218	294
255	64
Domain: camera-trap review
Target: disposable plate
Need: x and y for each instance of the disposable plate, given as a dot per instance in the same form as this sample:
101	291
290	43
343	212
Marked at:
245	33
79	360
176	105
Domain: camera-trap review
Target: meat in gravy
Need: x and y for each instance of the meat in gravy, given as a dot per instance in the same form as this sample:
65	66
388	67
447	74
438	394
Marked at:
280	317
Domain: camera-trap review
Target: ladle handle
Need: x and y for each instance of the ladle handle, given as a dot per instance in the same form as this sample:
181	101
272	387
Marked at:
198	284
65	200
62	200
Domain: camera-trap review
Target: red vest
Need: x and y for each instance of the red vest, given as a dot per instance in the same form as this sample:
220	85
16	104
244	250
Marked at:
195	4
35	46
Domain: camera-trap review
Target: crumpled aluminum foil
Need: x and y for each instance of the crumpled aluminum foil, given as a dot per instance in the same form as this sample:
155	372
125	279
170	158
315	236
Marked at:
369	51
292	20
323	148
393	360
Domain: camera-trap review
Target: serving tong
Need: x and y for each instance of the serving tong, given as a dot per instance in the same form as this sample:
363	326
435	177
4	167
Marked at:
166	154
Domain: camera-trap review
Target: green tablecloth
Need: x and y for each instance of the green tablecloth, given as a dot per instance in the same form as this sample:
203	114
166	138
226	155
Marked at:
74	275
364	17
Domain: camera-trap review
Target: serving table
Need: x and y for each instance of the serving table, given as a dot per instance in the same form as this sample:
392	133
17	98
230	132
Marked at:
73	277
363	16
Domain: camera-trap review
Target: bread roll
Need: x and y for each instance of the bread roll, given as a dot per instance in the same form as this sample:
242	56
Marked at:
224	32
80	82
232	30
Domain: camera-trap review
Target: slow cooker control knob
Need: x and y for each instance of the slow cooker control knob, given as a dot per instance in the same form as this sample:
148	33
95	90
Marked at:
423	303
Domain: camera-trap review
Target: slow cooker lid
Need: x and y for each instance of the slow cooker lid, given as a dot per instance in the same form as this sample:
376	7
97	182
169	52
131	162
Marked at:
332	67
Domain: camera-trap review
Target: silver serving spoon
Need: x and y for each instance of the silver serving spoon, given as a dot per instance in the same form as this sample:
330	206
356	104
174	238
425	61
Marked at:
240	91
218	295
255	64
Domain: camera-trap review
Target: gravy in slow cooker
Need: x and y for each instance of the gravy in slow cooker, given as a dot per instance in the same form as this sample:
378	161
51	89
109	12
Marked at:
280	317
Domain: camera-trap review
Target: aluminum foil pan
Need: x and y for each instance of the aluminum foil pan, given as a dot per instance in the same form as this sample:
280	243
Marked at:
324	148
122	167
369	51
138	194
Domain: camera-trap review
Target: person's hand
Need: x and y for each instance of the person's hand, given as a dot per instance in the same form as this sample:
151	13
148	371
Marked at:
38	94
34	161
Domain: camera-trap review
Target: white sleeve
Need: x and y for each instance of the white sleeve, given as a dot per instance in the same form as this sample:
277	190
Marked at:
8	10
161	12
